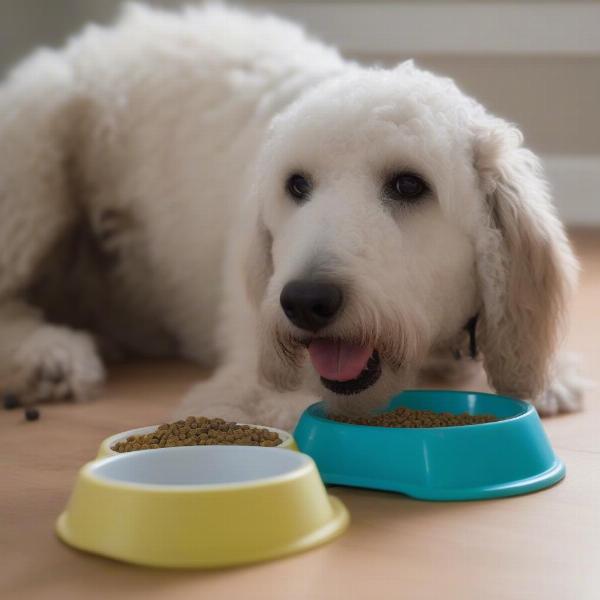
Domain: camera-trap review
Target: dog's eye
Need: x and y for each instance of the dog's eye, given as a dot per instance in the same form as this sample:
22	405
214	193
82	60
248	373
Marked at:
298	187
406	186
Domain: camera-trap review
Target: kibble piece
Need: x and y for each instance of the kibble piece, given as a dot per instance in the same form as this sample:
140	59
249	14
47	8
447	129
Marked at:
32	413
409	418
11	401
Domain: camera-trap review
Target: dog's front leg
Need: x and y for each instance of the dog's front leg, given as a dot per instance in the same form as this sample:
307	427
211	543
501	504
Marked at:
237	397
565	392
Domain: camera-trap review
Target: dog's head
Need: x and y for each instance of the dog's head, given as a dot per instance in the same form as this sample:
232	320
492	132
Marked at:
390	210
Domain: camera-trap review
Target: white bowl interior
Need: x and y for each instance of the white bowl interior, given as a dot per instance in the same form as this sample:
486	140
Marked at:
199	465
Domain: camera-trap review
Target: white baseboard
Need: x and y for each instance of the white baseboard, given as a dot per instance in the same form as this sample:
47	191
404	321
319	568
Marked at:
575	182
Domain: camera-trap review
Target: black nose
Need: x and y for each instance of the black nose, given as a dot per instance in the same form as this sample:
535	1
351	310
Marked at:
309	304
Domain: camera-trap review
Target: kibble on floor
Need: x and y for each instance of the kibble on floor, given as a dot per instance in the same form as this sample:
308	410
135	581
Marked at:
10	401
32	413
200	431
412	418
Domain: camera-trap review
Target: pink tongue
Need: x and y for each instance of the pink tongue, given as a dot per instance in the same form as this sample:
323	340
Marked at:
338	361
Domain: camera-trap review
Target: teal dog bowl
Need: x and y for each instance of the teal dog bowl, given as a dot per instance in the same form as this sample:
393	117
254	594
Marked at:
469	462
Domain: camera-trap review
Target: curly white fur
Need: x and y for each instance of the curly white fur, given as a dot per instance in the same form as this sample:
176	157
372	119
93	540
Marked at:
142	172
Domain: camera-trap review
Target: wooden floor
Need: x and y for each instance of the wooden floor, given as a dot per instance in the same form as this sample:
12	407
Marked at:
544	545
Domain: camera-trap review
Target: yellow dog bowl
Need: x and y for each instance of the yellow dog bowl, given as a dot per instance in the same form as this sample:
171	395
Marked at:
107	444
200	506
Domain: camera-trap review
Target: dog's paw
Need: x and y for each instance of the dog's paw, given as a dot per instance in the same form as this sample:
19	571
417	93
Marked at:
565	393
56	364
230	399
559	398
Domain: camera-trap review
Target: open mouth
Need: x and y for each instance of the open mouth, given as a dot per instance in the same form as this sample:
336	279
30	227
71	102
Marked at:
344	368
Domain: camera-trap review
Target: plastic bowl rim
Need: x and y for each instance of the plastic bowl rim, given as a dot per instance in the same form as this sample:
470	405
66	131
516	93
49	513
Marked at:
87	473
528	409
107	443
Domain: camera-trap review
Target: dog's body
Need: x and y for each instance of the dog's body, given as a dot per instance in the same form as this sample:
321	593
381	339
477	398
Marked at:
143	210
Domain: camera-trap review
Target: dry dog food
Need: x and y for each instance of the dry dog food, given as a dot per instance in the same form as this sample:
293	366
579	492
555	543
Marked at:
199	431
32	413
408	417
11	401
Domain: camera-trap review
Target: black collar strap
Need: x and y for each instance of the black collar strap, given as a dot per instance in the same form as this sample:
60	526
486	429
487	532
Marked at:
471	328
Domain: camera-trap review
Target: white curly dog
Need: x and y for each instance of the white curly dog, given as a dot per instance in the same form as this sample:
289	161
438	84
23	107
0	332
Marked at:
219	186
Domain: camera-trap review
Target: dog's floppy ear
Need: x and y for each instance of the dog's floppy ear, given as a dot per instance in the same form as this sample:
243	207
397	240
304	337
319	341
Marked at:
526	267
258	262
